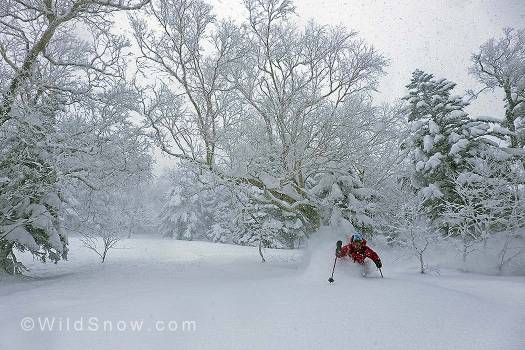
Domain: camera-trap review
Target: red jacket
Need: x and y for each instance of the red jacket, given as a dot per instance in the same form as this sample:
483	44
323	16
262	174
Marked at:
358	253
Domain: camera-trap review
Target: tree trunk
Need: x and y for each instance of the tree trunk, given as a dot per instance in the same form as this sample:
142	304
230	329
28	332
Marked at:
421	263
261	253
465	253
106	248
510	117
25	71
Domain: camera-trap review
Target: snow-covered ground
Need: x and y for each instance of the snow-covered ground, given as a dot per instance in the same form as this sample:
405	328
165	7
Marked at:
239	303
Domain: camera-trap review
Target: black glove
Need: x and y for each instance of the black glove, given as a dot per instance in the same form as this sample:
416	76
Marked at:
338	246
378	264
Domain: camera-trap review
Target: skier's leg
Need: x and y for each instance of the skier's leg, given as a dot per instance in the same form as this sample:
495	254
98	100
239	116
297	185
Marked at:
366	268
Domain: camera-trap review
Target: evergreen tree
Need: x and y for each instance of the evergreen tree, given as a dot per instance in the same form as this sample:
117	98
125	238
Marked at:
443	140
223	223
188	211
260	222
30	191
345	199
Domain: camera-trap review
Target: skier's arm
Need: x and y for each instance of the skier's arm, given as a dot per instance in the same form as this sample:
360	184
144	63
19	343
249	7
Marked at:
343	251
373	256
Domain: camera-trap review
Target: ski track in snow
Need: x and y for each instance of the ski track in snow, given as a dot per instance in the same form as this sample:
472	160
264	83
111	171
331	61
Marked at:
239	303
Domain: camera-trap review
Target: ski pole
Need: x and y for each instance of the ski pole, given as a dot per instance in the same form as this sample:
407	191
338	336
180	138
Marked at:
381	272
331	279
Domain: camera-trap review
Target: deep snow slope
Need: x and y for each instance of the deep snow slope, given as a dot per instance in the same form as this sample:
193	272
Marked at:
239	303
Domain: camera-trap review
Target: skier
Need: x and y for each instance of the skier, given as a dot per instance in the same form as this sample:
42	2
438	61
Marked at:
358	251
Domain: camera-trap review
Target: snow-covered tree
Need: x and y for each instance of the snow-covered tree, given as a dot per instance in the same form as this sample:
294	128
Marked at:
29	194
261	223
371	137
42	52
468	218
490	204
513	229
258	104
61	82
408	227
294	80
225	218
188	211
101	222
500	63
181	42
103	217
344	196
442	140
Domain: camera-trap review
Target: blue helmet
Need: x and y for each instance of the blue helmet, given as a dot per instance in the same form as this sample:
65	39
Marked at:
357	237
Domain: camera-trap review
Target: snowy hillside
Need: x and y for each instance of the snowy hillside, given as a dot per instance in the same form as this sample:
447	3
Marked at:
237	302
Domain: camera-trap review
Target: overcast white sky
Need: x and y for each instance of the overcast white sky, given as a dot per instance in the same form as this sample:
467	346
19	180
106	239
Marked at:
438	36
